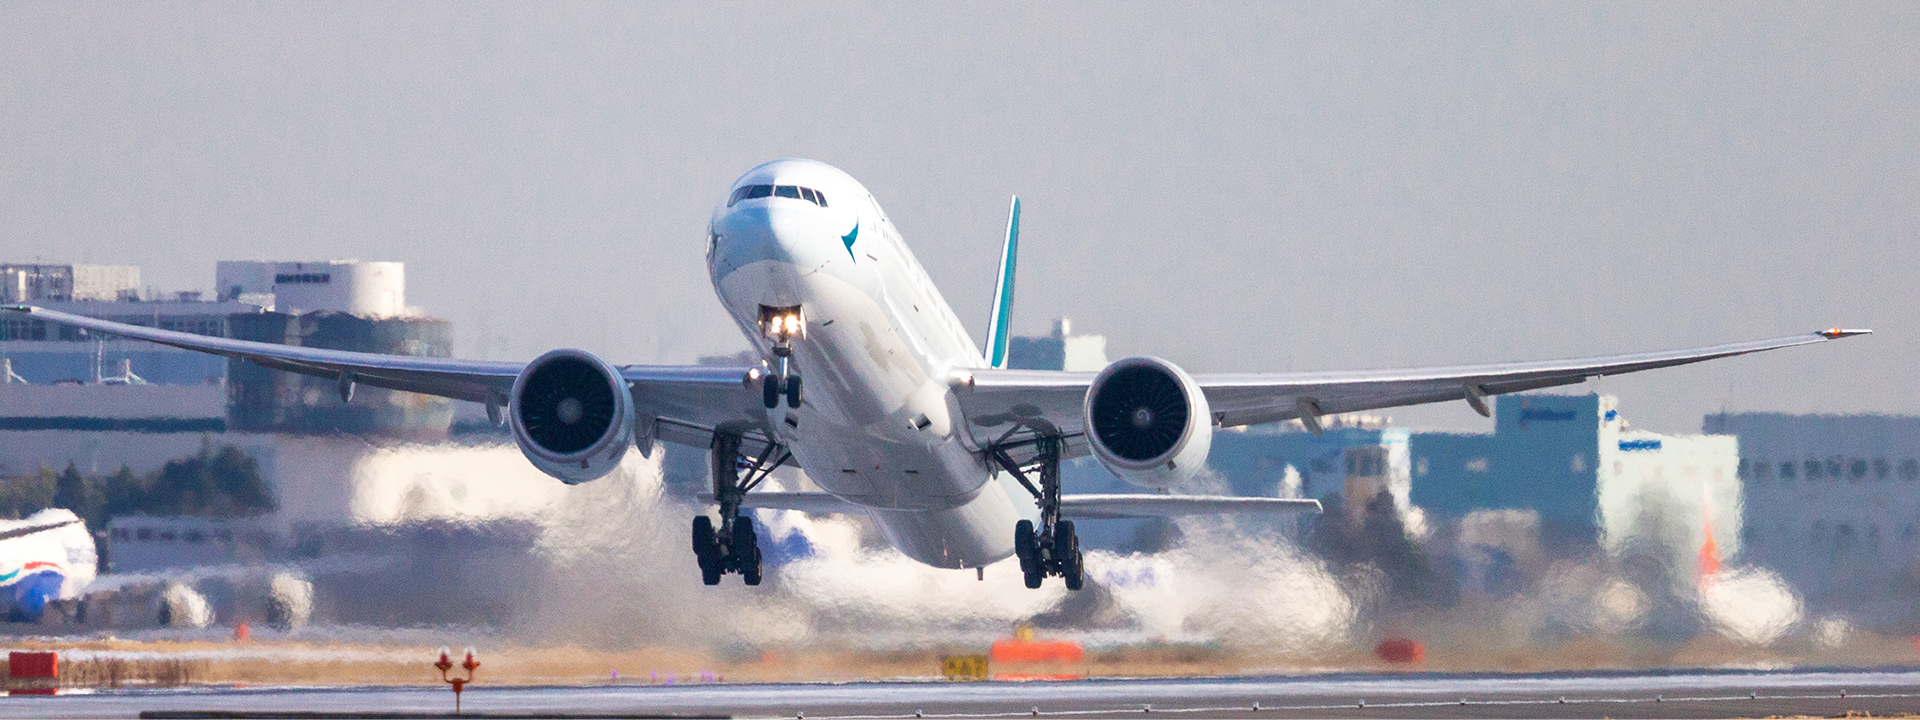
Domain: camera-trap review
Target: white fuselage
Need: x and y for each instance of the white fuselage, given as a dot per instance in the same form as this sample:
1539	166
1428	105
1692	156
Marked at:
878	426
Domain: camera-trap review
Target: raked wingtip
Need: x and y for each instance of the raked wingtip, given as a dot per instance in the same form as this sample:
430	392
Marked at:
1837	333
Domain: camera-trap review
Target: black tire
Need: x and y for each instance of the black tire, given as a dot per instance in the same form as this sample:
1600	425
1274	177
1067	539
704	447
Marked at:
793	391
770	391
746	546
705	550
1033	580
750	570
702	538
1066	546
1024	546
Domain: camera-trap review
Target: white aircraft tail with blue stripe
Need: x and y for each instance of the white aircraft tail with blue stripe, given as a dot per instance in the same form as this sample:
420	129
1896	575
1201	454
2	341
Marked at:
998	324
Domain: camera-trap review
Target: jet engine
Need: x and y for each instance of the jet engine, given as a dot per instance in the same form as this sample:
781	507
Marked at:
1148	422
572	415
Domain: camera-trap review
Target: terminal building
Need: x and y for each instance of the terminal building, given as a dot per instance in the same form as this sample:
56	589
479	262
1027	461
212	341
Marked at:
1060	350
1560	476
101	402
1833	506
363	289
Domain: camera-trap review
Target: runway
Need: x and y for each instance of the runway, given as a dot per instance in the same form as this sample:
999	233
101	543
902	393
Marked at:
1689	694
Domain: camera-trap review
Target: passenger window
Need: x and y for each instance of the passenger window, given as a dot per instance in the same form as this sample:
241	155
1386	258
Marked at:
807	194
739	193
786	191
759	191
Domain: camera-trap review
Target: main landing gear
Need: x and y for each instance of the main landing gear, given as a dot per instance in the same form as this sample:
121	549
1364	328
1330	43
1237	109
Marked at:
1051	549
781	326
733	546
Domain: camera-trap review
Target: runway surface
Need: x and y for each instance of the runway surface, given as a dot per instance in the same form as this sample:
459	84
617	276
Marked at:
1692	694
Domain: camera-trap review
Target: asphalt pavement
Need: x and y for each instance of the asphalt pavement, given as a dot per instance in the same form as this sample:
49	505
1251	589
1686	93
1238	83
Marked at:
1675	694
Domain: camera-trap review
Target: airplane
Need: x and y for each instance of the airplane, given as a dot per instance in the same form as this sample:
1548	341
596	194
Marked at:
45	558
903	417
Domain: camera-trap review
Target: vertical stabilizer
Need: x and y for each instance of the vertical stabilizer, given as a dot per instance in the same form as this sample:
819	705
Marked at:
997	324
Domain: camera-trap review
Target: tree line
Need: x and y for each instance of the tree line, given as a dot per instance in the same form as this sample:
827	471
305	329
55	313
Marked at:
218	481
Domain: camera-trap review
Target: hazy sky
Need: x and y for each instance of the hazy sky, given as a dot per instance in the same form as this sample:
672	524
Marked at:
1234	187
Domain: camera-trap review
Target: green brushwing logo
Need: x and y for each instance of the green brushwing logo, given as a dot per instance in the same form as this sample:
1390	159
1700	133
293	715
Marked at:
849	238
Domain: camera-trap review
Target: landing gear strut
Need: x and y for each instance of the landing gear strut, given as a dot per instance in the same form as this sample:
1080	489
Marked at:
733	547
1052	549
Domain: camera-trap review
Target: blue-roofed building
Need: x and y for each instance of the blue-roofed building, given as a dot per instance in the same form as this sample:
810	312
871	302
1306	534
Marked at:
1564	470
1592	482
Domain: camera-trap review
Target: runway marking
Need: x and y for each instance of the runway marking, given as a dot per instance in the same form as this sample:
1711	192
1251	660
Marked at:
1358	704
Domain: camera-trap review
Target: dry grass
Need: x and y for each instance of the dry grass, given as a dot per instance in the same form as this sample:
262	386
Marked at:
112	663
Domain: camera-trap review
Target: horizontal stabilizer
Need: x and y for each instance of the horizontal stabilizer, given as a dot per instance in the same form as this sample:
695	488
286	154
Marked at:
813	502
1151	506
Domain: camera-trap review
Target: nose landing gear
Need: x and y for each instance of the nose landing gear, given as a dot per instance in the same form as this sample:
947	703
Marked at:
1052	549
781	326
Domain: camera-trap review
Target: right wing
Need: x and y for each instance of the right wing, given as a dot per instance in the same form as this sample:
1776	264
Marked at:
688	401
1049	401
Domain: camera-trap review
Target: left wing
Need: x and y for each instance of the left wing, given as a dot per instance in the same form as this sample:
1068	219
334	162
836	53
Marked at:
687	401
1049	402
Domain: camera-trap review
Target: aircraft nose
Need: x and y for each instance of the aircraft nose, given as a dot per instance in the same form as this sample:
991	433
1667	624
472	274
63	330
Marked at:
800	236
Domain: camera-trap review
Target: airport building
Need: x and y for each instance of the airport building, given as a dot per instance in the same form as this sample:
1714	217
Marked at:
1833	506
61	283
354	287
1561	475
1061	350
102	402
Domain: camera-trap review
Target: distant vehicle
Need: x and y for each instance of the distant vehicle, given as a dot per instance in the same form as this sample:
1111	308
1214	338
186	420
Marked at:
45	558
905	419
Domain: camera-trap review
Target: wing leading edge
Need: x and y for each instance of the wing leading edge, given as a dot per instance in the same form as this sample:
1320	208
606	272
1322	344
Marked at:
1051	400
688	402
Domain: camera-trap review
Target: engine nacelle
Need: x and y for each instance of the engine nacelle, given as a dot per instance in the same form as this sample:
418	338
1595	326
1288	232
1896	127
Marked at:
1148	422
572	415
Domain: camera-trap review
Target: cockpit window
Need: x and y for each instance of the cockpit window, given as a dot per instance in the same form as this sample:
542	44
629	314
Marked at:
750	192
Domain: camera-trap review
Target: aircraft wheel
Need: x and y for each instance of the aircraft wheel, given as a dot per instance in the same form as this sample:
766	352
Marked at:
770	391
1023	545
746	548
1067	545
706	550
793	391
751	572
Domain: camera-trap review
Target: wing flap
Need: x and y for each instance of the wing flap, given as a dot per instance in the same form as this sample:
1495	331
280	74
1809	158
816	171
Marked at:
1100	507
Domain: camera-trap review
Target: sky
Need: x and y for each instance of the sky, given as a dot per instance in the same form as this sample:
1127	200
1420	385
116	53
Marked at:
1234	187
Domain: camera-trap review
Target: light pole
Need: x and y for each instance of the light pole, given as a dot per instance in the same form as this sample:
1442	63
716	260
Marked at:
445	663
